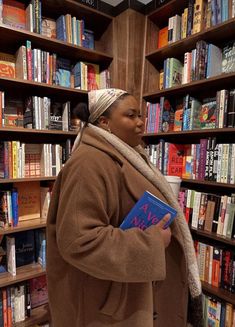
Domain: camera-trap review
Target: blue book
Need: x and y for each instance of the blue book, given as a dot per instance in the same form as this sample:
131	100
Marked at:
148	210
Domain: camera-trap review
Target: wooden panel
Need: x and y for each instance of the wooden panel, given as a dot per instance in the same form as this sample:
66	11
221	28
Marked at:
151	78
22	273
24	225
39	315
105	42
152	37
120	51
129	37
135	53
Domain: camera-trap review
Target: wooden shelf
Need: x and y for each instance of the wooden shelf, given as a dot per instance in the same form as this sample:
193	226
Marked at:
94	19
190	136
24	225
161	14
42	89
32	179
209	84
22	273
39	315
216	35
219	293
13	38
213	184
213	236
35	135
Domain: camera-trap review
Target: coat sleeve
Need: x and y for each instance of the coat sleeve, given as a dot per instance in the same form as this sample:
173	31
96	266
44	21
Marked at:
89	196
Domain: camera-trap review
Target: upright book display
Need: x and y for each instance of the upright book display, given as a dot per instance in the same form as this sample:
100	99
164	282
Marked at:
183	38
32	85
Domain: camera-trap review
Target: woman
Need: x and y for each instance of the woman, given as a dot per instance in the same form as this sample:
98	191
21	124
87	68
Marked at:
99	275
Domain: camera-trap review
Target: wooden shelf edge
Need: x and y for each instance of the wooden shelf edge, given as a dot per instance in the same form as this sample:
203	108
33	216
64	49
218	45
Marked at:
190	39
219	293
191	132
209	183
42	85
22	273
213	236
36	131
56	42
39	315
24	225
31	179
206	82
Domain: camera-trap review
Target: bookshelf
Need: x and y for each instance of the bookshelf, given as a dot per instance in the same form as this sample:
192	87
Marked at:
11	40
203	88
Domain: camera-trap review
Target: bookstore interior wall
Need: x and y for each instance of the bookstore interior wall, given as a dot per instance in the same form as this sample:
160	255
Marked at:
179	62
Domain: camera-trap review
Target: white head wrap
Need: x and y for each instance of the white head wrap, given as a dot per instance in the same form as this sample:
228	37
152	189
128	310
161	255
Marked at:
98	102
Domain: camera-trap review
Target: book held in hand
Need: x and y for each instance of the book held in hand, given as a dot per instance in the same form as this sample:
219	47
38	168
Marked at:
147	211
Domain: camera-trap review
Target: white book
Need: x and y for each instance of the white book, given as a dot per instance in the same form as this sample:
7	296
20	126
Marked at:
226	217
223	206
232	163
196	205
11	255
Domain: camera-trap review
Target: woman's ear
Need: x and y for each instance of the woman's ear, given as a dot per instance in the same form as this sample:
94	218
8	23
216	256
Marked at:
103	122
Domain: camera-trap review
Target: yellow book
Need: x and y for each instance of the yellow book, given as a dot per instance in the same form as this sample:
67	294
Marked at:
14	159
161	80
198	16
184	23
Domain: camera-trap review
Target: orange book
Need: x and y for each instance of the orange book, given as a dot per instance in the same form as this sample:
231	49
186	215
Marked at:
14	14
7	65
29	199
163	37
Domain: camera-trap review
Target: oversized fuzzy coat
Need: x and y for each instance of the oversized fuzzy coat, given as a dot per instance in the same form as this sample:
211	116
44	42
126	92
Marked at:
99	275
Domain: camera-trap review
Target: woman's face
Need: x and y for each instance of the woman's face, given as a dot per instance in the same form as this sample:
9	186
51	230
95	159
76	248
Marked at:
125	121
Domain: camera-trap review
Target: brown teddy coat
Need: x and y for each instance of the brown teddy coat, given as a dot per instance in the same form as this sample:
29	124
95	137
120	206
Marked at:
99	275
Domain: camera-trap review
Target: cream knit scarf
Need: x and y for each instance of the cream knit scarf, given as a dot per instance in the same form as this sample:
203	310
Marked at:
158	180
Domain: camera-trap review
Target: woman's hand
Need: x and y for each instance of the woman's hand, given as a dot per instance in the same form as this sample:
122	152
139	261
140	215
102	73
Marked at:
166	233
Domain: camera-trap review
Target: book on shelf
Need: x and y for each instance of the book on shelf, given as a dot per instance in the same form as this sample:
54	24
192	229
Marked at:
14	14
147	211
29	199
7	65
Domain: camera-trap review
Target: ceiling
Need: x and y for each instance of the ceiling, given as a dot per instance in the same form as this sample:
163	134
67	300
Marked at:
116	2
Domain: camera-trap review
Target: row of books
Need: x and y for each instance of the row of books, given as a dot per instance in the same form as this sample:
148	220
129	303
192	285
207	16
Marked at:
205	61
41	66
67	28
189	113
216	266
207	160
34	112
198	16
72	30
210	212
17	302
217	312
23	248
24	201
22	160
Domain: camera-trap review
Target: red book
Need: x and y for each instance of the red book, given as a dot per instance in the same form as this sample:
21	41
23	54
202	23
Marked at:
175	159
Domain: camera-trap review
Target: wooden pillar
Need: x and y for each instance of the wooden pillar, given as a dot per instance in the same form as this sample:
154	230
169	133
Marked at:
128	52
